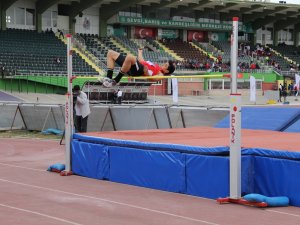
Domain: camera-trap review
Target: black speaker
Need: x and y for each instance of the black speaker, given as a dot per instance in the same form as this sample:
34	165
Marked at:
63	9
80	14
241	33
116	25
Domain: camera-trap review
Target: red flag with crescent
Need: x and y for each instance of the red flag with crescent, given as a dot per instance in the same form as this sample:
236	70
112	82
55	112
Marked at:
144	32
199	36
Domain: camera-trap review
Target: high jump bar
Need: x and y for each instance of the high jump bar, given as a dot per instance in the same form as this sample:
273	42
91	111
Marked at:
167	77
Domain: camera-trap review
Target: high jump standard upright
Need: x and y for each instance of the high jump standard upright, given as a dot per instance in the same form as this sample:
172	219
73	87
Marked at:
68	110
235	119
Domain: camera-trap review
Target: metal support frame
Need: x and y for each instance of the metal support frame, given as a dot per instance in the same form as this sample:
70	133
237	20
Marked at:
112	120
12	124
168	116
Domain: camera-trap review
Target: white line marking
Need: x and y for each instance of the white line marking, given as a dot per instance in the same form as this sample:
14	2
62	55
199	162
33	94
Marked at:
22	167
110	201
289	214
28	168
190	196
40	214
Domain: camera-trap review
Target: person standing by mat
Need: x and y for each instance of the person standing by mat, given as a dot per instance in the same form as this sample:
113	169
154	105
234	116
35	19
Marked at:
133	66
82	109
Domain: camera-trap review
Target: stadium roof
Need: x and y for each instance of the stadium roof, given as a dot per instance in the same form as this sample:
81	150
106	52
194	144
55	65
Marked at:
259	13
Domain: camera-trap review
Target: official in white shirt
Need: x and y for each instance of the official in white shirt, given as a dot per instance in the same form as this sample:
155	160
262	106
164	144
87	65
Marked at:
82	109
119	96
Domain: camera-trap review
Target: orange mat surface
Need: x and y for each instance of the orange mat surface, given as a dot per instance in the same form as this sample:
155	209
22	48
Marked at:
209	137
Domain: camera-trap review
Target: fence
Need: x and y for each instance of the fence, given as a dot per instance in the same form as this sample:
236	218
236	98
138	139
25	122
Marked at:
39	117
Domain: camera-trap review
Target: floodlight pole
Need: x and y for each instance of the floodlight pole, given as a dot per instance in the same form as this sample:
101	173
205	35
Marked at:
68	110
235	119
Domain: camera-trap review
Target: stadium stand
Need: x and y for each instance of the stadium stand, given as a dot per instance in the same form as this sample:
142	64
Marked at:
224	47
161	28
291	52
209	48
185	50
29	52
99	47
152	51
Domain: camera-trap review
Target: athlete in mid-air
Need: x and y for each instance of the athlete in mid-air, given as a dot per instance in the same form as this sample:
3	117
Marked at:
133	66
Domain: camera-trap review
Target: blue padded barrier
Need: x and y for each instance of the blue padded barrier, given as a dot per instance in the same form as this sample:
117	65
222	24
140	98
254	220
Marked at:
209	176
263	118
248	172
186	169
90	160
271	153
277	177
153	169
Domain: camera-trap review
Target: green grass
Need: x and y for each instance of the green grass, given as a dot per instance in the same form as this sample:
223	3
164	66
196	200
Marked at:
27	134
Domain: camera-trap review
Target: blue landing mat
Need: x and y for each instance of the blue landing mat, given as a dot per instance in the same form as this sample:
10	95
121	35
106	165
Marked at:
264	118
185	169
9	98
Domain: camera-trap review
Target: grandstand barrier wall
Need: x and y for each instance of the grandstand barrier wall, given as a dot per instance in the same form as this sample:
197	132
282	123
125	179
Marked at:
39	117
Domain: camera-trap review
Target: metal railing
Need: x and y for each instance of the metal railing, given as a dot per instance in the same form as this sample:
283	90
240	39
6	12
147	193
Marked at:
79	42
290	74
82	47
48	72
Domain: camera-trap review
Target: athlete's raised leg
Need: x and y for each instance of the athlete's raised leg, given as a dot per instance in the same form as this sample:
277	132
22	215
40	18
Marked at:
128	62
111	59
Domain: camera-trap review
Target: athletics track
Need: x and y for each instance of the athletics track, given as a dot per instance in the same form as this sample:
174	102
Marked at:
31	195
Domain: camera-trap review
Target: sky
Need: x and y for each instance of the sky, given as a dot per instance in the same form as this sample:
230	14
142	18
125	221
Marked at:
288	1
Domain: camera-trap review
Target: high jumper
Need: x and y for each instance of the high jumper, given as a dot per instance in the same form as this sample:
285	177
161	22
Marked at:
133	66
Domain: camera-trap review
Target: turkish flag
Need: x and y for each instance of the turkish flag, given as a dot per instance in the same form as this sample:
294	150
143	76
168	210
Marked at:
144	32
199	36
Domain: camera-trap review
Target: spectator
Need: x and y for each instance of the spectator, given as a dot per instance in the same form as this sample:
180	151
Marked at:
296	89
2	71
253	66
284	92
290	88
119	96
61	34
114	97
82	109
57	61
219	59
280	89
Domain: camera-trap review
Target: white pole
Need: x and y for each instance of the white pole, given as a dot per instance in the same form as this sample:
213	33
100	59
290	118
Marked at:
175	90
234	55
235	119
69	108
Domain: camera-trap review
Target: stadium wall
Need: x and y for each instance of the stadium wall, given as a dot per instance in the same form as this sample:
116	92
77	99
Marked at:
39	117
27	86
